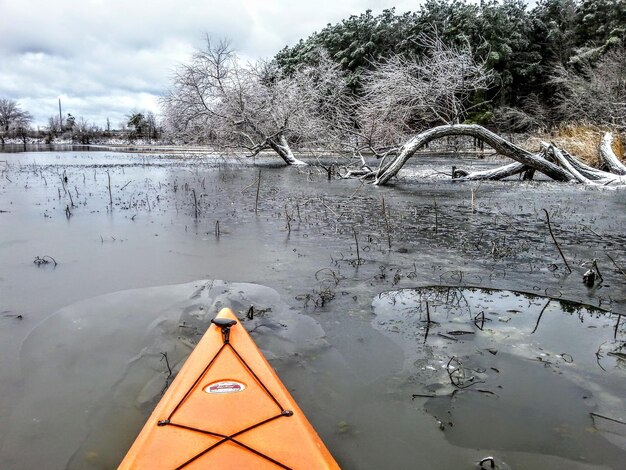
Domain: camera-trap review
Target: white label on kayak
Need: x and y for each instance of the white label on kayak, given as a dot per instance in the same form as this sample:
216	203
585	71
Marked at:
225	386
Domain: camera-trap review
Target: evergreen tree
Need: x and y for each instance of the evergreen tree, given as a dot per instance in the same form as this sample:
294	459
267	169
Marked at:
601	22
522	48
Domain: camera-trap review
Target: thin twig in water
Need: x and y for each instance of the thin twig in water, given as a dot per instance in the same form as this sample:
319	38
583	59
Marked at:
169	370
422	395
480	317
195	203
167	363
599	356
592	231
258	188
356	240
387	225
555	242
44	260
541	315
595	265
615	264
428	322
460	380
256	181
288	218
110	196
619	317
357	189
327	207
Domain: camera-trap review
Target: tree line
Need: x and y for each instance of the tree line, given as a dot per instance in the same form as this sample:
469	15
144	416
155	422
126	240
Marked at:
388	85
370	82
16	123
561	60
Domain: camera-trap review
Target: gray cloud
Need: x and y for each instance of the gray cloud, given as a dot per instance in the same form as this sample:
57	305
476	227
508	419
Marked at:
104	58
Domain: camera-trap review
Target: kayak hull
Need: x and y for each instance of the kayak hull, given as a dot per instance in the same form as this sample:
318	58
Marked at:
227	408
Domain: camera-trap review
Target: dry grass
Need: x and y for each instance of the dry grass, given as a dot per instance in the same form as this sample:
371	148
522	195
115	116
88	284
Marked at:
581	140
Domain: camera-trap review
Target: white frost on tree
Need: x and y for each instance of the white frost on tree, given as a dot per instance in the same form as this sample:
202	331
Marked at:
404	94
13	120
216	98
596	94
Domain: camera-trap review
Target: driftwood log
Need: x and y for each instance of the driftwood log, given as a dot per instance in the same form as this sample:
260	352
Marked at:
611	162
552	161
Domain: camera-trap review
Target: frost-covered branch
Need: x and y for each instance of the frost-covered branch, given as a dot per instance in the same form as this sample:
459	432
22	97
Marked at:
552	161
218	99
596	93
13	119
404	93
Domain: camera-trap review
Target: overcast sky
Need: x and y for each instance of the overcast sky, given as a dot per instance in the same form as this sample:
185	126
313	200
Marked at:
106	58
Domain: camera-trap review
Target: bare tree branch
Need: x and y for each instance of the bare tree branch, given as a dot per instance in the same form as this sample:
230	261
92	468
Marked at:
215	98
401	93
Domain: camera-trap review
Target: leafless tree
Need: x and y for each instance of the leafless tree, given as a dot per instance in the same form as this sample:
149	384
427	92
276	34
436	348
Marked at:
83	131
54	125
217	98
531	115
152	126
403	94
595	94
13	119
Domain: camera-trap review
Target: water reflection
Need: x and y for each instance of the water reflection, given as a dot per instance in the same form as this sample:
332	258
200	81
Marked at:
532	373
20	148
357	392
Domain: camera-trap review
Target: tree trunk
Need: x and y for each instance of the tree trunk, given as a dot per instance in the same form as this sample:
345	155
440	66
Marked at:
281	147
565	163
552	161
497	173
499	144
608	156
580	171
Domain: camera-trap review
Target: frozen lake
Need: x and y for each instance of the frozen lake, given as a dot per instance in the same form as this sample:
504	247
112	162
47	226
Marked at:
81	342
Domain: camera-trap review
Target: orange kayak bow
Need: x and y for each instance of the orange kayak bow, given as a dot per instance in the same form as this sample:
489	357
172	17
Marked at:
227	409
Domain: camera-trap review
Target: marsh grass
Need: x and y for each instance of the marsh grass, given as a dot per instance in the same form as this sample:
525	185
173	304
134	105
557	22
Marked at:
581	140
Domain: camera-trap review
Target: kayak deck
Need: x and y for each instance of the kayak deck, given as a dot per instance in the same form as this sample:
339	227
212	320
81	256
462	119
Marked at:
227	408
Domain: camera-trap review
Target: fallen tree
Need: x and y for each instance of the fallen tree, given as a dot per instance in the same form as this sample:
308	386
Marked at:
611	162
551	161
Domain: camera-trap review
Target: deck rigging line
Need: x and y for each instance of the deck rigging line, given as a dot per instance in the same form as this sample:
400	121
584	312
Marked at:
225	326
